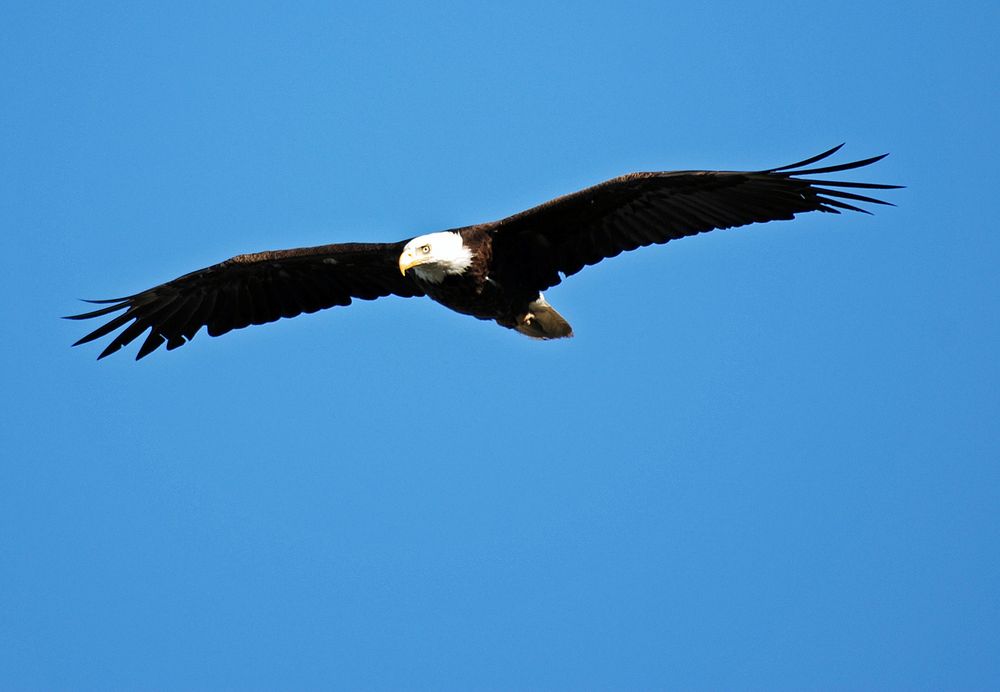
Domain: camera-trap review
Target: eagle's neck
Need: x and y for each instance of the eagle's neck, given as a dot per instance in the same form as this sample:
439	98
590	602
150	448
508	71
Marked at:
449	256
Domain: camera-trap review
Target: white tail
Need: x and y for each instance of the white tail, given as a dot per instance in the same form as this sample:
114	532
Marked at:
543	322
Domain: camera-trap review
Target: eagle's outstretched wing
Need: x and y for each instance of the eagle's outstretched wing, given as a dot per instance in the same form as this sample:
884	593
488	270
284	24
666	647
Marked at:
252	289
568	233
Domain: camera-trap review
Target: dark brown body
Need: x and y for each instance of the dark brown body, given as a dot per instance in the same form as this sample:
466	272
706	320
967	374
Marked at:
493	288
474	292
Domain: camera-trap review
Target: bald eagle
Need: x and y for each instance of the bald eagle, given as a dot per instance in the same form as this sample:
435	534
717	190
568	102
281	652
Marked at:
493	271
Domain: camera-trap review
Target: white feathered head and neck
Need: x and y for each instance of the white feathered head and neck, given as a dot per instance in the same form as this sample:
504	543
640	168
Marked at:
434	256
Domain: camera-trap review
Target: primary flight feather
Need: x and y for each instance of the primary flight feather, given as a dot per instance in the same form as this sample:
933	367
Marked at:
493	271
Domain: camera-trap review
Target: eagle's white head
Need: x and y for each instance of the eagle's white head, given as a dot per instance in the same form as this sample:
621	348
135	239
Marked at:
434	256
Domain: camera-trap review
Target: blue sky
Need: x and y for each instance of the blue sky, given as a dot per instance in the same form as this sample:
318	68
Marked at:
769	458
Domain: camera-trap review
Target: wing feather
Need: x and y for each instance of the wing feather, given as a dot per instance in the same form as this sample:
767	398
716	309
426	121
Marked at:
563	235
250	289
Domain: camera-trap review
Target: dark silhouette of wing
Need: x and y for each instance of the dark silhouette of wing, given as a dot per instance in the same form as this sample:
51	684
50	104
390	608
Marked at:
252	289
583	228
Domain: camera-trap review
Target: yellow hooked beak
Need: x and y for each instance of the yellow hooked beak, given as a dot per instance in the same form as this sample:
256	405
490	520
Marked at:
407	261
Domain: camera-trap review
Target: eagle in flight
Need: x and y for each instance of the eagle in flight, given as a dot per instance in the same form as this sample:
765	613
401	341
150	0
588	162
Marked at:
493	271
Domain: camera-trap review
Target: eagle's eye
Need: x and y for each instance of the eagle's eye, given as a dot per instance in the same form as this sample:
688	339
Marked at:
425	249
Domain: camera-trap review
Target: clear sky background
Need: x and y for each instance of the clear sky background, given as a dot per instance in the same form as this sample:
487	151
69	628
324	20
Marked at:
769	459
